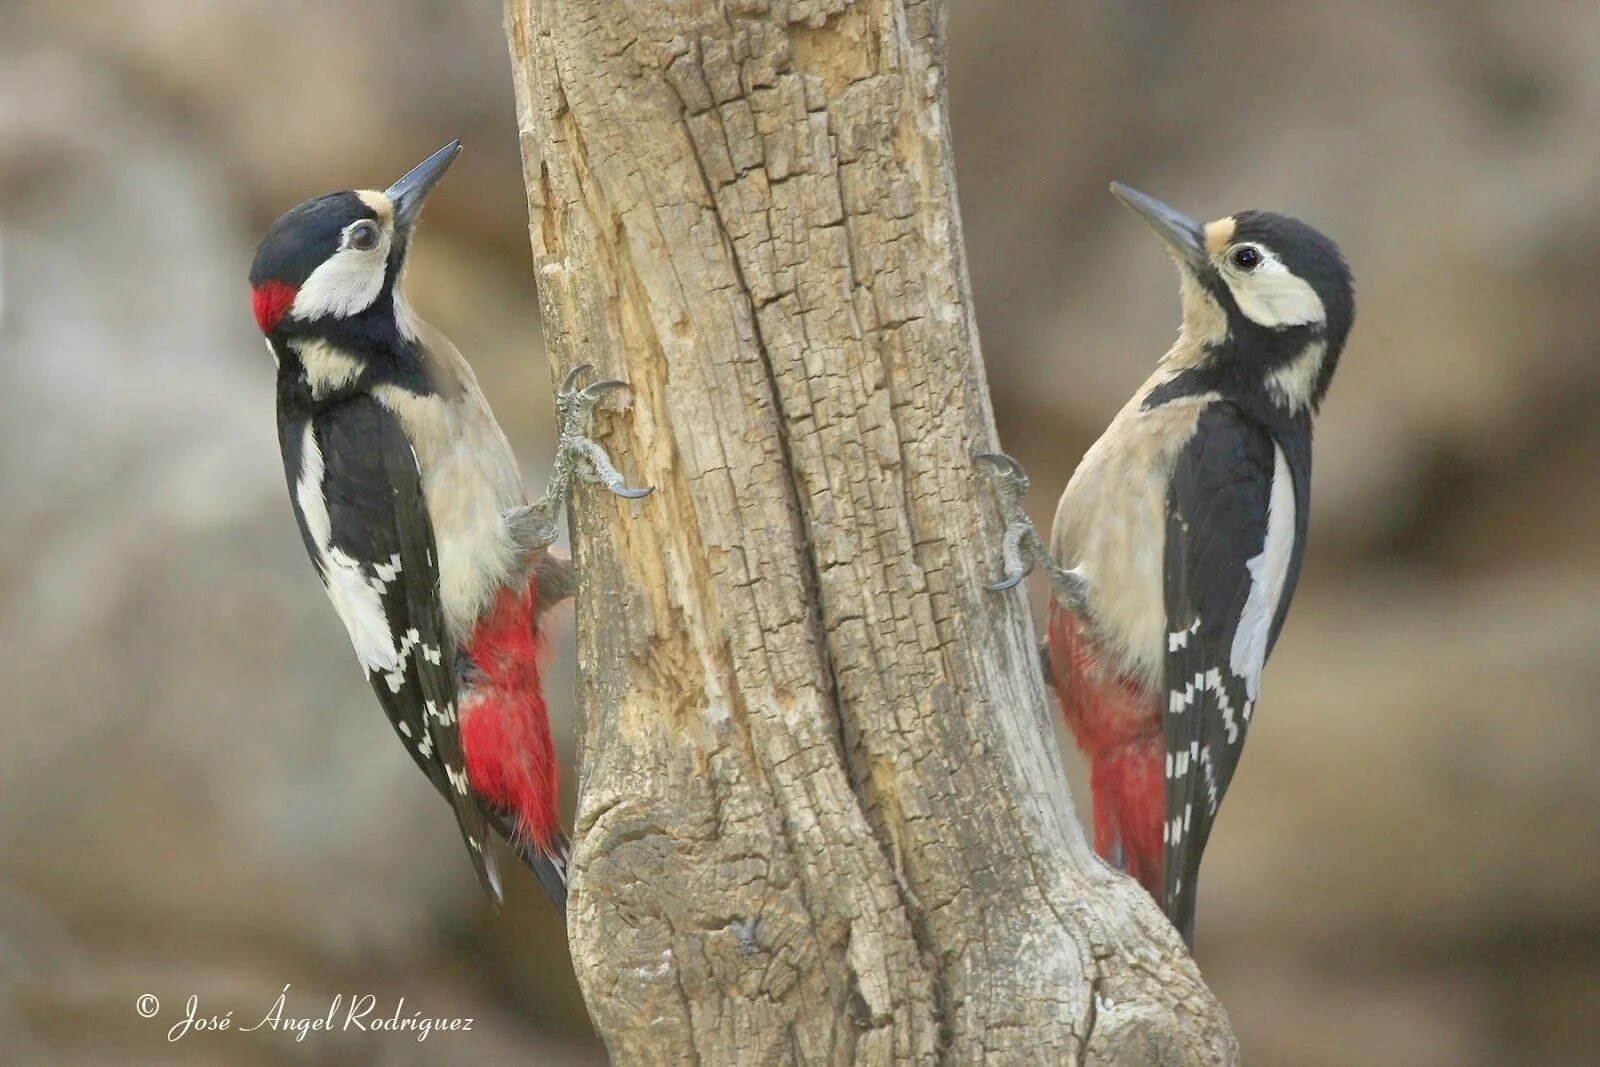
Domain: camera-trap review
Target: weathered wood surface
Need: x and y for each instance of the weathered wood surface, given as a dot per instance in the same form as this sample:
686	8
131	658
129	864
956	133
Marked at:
821	815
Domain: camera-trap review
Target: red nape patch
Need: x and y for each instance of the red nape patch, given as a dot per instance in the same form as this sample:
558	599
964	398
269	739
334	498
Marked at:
271	301
505	729
1116	723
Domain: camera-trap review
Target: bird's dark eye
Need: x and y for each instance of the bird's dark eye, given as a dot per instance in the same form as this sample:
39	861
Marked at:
364	236
1247	257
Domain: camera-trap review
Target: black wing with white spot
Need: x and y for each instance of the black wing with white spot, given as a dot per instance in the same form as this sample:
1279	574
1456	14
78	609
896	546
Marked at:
358	497
1231	541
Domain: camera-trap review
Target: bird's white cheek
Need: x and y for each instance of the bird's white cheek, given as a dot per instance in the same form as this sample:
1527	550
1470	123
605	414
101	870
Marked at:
346	284
1275	297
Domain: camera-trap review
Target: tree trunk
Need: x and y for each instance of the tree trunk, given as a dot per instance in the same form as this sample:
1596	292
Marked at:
821	815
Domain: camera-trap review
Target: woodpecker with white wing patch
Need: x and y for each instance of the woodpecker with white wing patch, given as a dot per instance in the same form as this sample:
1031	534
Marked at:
1178	541
411	507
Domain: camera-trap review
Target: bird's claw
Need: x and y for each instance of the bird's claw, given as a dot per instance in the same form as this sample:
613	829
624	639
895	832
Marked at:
595	467
1006	466
629	493
1010	581
569	383
1011	487
576	451
595	390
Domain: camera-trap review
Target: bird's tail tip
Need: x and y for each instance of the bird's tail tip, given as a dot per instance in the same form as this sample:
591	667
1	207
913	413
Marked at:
549	866
548	863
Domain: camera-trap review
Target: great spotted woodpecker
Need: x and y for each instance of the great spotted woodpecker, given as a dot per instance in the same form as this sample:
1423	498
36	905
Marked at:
1178	541
410	505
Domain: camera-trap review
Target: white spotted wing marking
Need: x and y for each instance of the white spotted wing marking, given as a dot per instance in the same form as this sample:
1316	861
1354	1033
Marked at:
1178	762
1210	774
1181	700
444	715
1172	832
1214	684
396	678
1180	639
388	572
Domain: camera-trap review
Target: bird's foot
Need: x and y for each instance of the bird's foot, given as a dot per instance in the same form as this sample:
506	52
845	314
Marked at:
575	408
1021	550
577	455
1011	487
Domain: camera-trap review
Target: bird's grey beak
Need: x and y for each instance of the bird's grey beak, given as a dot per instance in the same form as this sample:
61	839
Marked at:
409	192
1183	235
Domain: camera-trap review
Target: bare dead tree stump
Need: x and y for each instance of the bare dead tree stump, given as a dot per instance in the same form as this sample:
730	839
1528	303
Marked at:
821	816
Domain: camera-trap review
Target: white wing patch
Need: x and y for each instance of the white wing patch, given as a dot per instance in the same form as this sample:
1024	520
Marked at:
357	598
1268	570
396	677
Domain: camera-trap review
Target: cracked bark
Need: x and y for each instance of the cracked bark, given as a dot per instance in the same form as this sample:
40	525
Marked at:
821	818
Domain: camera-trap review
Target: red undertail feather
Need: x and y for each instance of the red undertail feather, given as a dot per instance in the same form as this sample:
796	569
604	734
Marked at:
1116	723
505	729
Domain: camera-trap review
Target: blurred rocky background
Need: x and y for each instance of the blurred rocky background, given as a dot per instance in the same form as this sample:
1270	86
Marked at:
197	796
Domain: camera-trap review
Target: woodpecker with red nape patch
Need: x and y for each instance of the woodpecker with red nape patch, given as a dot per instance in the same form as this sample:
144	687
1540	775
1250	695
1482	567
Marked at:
1178	541
410	505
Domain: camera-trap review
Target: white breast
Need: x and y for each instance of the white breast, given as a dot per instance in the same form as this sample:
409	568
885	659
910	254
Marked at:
470	480
1111	525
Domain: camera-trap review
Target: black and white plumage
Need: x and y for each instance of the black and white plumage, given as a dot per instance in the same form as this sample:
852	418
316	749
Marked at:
1178	542
410	505
357	495
1231	561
